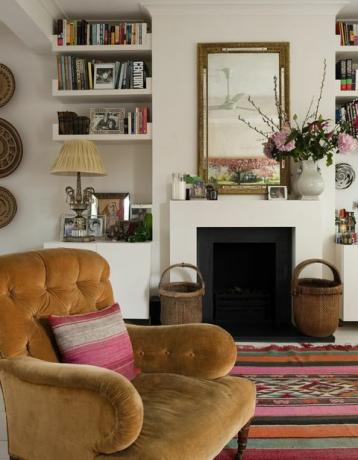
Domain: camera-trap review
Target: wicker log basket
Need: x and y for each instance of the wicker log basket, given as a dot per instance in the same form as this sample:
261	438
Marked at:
316	302
181	302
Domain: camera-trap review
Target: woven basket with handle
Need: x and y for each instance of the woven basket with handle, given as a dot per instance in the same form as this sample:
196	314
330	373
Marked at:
316	302
181	302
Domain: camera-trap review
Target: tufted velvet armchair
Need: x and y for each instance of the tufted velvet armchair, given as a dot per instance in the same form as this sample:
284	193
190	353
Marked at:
181	407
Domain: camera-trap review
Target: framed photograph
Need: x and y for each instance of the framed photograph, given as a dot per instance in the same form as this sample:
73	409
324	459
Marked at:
96	226
277	192
104	75
107	121
67	225
115	207
230	75
198	191
139	211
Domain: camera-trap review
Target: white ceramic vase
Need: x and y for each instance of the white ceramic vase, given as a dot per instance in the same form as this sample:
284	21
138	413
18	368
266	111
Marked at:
309	184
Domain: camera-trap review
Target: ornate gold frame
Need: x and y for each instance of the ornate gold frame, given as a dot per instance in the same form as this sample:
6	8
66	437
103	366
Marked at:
204	49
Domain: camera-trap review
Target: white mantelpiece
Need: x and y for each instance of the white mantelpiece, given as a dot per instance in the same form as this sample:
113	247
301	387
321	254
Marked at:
303	216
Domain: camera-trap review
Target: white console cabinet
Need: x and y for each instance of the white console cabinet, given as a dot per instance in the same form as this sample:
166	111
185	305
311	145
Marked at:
347	264
130	272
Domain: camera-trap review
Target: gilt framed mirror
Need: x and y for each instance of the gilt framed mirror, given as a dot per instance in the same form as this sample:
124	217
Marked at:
230	152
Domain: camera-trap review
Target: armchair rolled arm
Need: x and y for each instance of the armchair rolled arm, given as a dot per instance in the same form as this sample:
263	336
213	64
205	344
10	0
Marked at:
197	350
93	409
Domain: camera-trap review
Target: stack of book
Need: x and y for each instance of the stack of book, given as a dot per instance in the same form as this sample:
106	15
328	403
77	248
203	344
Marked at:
346	72
348	31
71	123
348	113
80	32
75	73
137	121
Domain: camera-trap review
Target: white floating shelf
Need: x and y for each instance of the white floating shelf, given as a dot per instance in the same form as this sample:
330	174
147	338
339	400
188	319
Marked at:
105	138
146	48
103	95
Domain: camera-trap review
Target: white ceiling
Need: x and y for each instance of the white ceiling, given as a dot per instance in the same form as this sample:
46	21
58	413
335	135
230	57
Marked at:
350	11
99	9
106	9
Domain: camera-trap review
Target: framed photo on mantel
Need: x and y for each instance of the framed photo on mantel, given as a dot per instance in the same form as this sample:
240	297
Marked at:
230	153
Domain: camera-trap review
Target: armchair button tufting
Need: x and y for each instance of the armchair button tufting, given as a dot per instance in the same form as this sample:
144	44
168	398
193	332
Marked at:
167	352
141	353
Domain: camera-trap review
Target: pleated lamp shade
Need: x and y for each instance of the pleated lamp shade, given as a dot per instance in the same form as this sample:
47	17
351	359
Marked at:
79	156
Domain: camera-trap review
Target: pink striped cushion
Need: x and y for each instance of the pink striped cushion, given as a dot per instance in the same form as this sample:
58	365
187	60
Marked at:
99	338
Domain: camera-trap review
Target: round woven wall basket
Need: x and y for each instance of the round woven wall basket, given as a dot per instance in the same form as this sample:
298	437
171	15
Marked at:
181	302
316	302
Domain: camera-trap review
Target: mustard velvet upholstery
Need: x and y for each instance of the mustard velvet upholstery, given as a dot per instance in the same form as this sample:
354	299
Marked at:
210	355
182	407
87	409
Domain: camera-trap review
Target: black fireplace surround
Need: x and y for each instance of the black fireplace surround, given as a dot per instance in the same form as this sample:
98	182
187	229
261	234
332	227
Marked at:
247	273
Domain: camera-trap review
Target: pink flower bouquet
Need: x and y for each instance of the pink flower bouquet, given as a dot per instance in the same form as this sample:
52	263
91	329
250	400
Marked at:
313	140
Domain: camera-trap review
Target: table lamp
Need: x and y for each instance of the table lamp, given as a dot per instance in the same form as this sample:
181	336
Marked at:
75	158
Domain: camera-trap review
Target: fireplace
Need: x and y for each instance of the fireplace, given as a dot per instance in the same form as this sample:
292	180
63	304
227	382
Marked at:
247	272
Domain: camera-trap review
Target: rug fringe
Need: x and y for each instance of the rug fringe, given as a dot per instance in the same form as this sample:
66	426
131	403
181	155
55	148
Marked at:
300	347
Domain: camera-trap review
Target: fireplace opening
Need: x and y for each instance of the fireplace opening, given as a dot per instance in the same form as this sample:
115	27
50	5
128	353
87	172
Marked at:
243	282
247	272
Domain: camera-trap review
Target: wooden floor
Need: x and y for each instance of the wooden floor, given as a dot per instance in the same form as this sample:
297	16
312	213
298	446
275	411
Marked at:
344	335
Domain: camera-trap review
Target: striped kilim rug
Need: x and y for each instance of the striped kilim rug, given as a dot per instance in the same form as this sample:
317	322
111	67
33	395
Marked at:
307	402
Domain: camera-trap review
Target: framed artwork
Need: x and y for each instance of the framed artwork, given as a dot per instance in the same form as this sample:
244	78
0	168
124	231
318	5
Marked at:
96	226
115	207
277	192
229	76
67	225
107	121
104	75
139	211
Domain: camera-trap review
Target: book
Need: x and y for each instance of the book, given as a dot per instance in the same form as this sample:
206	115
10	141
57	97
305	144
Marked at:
341	73
348	74
137	77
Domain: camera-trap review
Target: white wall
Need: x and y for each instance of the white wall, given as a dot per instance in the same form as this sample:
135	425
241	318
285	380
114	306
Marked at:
40	195
175	37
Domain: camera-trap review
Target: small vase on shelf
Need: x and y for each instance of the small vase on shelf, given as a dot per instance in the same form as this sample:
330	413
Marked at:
309	184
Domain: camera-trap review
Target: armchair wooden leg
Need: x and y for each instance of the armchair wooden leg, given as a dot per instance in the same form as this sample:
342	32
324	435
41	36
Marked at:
242	440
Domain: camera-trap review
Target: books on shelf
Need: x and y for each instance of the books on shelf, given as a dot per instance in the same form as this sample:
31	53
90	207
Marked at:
348	31
72	32
105	121
346	72
137	121
76	73
349	113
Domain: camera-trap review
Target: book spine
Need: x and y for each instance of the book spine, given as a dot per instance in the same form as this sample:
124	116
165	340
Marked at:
68	33
60	32
72	33
105	40
73	73
59	73
145	120
63	73
343	75
137	81
129	123
78	74
90	80
349	75
144	32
